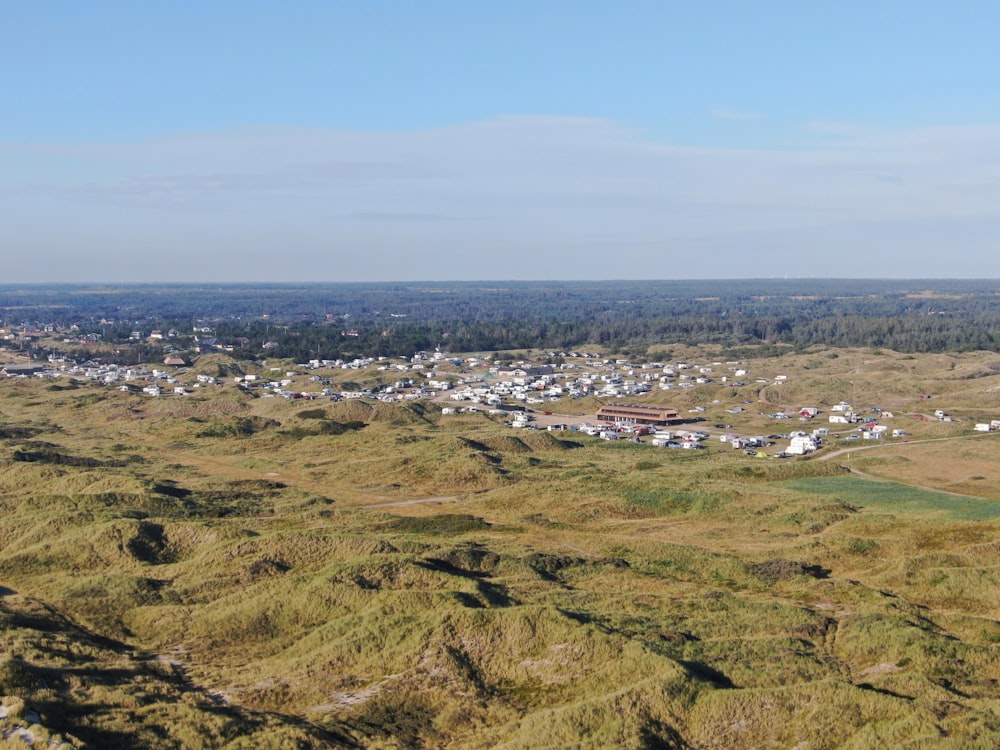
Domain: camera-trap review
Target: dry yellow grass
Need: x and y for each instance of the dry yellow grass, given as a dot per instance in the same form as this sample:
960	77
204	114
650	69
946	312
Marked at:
541	591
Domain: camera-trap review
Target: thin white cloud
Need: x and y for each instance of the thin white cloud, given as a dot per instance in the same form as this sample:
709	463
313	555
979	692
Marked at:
377	216
516	196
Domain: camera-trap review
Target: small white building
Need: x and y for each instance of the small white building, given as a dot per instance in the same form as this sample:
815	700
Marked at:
801	444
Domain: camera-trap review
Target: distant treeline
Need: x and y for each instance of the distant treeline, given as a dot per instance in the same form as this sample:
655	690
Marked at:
347	320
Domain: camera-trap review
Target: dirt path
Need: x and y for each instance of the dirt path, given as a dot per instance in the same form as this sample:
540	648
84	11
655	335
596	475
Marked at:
883	444
875	478
213	466
414	501
219	467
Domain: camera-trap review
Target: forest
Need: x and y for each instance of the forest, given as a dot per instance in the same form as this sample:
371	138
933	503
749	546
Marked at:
332	321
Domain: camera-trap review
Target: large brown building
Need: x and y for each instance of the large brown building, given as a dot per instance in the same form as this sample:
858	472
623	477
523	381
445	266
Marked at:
633	414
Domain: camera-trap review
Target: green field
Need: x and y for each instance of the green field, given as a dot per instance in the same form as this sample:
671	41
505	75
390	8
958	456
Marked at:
896	498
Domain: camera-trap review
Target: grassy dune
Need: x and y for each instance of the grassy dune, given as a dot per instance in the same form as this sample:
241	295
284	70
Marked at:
224	571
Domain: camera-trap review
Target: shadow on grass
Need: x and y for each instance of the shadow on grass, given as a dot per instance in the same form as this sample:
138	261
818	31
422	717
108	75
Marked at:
701	671
883	691
494	594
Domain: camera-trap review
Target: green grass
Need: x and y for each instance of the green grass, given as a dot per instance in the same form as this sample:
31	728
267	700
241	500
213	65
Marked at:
226	572
892	497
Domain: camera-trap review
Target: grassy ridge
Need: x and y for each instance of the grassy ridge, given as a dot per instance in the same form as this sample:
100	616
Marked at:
183	584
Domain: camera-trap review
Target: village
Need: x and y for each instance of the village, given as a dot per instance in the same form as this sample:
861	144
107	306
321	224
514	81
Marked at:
581	393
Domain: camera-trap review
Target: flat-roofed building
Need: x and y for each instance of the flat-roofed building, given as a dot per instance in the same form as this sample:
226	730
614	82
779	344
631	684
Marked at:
13	369
536	371
633	414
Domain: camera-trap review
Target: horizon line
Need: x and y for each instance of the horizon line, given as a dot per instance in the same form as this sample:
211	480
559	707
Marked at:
303	282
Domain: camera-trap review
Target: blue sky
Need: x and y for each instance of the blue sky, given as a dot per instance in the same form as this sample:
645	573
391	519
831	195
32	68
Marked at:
242	141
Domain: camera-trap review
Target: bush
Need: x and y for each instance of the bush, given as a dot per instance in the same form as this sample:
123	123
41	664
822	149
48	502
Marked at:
17	677
776	570
445	523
